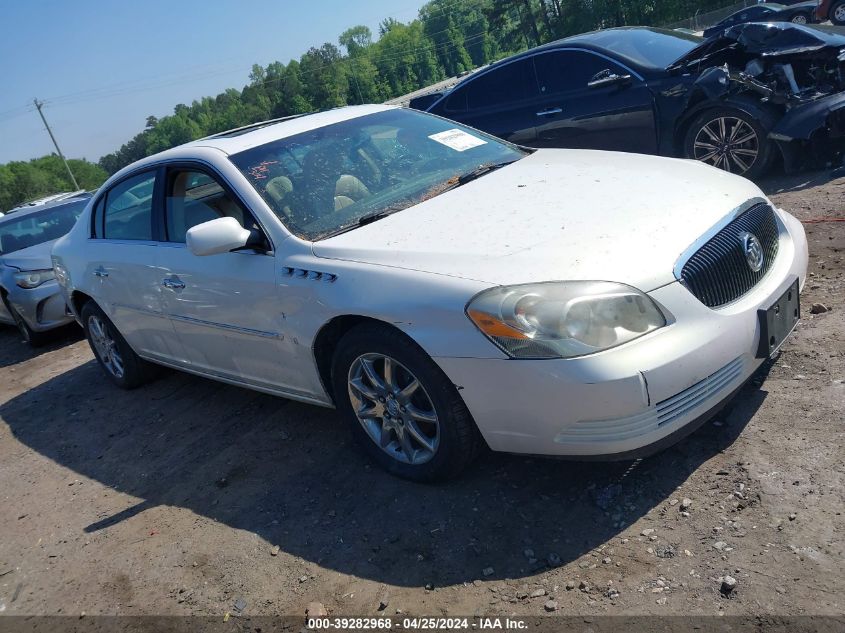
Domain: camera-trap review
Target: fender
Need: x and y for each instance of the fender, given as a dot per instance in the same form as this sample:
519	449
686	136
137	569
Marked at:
766	115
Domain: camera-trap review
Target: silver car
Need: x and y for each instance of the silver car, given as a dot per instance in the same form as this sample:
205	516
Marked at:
31	298
442	288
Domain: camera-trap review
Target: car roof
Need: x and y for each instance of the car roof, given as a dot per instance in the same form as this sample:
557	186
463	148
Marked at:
586	41
244	138
22	212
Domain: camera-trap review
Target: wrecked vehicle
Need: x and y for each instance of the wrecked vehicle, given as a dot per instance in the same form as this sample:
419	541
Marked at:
739	101
441	288
795	73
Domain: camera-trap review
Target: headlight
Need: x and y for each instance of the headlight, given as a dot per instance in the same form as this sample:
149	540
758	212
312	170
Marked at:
33	278
563	319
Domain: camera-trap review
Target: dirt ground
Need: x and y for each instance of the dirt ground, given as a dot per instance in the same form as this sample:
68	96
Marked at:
170	499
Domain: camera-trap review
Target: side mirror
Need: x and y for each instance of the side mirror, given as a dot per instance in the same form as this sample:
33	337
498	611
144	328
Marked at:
608	78
220	235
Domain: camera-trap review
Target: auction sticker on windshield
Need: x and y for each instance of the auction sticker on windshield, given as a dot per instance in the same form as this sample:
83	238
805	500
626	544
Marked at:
458	140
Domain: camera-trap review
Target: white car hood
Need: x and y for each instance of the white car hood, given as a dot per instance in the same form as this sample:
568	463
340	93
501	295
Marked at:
555	215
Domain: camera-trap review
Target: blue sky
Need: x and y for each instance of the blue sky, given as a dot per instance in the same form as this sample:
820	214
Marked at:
103	67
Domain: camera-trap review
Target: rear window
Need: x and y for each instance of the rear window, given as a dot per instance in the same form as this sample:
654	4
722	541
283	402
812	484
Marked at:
655	48
39	227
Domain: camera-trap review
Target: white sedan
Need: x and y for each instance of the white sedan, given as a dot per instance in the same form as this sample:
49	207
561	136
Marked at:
442	288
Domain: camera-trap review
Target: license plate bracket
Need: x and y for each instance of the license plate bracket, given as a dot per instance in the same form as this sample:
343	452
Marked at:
779	319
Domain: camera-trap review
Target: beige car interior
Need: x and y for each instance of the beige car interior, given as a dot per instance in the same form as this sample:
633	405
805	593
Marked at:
318	166
189	206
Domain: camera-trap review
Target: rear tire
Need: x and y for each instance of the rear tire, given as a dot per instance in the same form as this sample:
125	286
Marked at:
837	13
119	361
401	407
801	18
731	139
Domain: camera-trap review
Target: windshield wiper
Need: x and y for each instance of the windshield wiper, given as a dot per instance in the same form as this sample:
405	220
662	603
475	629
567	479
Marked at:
480	171
362	221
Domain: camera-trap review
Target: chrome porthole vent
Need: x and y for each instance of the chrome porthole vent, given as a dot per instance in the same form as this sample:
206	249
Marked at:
313	275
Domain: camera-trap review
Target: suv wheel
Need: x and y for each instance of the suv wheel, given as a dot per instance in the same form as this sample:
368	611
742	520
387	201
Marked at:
402	408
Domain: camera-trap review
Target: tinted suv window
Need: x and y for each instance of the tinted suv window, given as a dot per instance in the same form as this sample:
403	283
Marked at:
128	209
194	197
562	71
513	81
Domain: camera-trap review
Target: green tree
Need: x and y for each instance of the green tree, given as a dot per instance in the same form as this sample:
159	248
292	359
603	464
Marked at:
23	181
356	40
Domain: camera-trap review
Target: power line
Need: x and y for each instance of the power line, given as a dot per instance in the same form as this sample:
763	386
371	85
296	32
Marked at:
126	87
38	106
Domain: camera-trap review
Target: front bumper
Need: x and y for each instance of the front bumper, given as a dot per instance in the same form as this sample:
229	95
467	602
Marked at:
626	400
43	308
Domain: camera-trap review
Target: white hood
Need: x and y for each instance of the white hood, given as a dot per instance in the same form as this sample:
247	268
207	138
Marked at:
556	215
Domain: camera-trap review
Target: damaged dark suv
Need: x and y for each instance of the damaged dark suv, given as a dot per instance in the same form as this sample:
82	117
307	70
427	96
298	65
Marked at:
738	100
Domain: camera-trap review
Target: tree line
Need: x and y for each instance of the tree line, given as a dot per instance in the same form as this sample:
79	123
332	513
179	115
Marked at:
447	38
22	181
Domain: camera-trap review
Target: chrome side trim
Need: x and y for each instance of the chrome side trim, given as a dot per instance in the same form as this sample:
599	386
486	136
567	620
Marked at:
227	327
137	309
705	237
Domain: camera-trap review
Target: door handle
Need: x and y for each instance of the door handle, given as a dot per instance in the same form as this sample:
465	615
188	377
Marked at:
173	284
550	111
101	272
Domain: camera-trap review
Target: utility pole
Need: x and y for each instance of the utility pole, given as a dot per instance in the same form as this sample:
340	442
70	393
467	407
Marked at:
38	105
355	80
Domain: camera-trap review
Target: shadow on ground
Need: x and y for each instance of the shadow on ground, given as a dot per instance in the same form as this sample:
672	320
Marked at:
289	473
13	350
781	183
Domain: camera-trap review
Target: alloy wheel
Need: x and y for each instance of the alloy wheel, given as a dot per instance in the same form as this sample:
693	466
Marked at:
105	346
728	143
839	14
393	408
799	19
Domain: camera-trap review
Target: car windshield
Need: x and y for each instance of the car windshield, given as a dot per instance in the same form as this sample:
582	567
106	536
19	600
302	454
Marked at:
17	233
340	176
653	48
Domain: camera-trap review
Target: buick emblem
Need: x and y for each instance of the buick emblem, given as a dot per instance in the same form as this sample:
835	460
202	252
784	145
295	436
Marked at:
753	251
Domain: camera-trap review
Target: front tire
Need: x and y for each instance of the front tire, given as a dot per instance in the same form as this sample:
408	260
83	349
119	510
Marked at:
801	18
401	407
120	362
730	139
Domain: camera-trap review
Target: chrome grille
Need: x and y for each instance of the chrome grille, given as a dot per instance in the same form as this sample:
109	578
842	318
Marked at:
718	272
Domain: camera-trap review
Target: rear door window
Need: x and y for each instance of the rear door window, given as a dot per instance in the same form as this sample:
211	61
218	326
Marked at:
128	211
510	83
